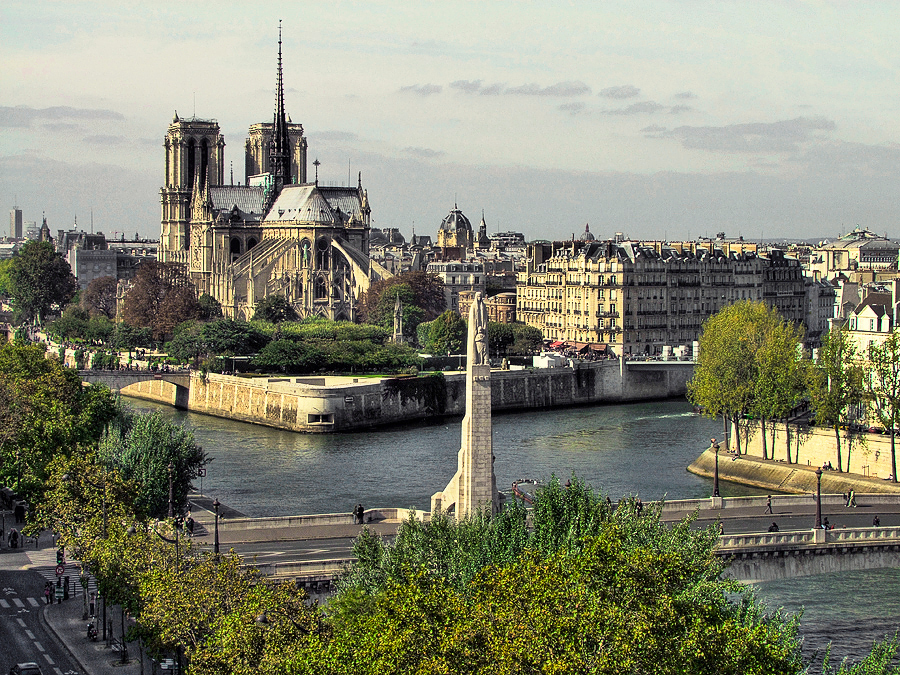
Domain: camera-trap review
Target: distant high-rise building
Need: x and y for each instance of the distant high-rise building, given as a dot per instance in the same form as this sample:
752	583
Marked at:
32	231
15	223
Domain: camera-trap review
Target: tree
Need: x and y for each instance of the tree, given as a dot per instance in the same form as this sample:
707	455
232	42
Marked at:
779	382
527	339
274	309
99	298
39	279
160	298
835	384
883	384
445	335
210	308
5	284
422	290
141	447
225	337
483	594
47	412
724	378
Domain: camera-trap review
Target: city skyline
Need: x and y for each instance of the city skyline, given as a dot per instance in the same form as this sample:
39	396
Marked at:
654	119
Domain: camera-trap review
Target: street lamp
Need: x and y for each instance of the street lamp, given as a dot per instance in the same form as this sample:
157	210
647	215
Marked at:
216	506
171	507
819	498
715	446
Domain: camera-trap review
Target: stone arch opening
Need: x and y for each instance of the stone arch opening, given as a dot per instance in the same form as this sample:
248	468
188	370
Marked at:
251	242
235	248
191	162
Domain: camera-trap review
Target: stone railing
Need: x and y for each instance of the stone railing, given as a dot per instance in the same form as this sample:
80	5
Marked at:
371	516
868	536
688	505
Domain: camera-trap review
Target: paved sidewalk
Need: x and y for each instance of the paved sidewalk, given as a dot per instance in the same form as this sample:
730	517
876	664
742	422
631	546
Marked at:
95	658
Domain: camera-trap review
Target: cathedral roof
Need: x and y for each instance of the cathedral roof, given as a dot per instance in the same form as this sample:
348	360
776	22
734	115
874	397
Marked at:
301	204
248	199
344	198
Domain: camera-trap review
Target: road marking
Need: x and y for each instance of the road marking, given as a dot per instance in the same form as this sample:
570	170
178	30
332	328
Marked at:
33	602
21	622
18	603
4	604
57	671
39	646
49	660
29	634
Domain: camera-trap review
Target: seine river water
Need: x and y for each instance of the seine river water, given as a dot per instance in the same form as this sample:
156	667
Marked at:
640	449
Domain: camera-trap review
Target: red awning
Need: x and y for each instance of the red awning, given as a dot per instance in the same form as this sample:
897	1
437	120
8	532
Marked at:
556	344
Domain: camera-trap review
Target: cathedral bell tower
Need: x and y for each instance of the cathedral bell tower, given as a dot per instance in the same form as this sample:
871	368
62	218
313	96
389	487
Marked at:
195	155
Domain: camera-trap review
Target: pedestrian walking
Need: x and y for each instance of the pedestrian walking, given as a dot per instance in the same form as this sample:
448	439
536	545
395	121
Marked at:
876	522
773	527
721	528
359	513
47	593
769	504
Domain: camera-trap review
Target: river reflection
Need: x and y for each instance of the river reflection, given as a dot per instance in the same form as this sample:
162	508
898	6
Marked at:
638	448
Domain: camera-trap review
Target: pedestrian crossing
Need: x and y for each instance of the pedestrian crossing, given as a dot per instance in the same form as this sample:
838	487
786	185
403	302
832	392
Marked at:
44	563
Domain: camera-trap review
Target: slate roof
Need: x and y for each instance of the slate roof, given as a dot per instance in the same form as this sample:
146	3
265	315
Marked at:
301	204
249	200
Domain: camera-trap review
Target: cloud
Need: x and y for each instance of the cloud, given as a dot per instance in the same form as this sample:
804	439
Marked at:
574	107
23	116
676	109
574	88
636	109
685	95
103	139
424	153
58	127
653	129
622	92
782	136
467	86
559	90
422	89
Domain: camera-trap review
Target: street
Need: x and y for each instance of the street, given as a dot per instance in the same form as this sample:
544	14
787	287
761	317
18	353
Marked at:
23	634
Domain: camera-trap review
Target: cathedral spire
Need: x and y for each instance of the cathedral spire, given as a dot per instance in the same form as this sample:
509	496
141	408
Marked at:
280	151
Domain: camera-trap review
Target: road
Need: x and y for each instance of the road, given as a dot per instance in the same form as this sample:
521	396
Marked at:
23	635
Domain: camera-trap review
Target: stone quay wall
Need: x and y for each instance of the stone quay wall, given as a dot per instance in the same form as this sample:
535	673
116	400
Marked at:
322	405
869	453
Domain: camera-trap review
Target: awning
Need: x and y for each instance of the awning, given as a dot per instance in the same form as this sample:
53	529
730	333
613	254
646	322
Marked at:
556	344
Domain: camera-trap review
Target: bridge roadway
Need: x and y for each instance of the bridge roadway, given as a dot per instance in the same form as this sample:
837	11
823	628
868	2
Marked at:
313	549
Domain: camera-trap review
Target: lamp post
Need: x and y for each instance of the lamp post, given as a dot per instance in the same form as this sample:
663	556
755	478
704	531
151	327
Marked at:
216	506
819	498
715	447
171	506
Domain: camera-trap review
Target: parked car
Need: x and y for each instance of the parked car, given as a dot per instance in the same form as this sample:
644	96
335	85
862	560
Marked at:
29	668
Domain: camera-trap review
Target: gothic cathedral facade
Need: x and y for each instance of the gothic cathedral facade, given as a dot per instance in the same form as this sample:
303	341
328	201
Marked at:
275	234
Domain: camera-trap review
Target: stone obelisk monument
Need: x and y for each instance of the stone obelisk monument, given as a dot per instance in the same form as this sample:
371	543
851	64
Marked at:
474	487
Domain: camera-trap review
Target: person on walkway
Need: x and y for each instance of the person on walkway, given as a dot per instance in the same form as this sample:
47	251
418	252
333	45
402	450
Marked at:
769	504
825	525
773	527
851	499
359	513
13	539
47	593
721	528
876	522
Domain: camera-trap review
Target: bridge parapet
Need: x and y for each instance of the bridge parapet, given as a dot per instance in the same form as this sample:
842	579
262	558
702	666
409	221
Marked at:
769	541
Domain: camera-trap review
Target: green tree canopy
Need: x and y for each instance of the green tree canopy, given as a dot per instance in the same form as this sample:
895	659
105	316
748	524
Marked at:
883	384
421	294
141	447
445	335
835	384
46	411
210	308
39	279
223	337
274	309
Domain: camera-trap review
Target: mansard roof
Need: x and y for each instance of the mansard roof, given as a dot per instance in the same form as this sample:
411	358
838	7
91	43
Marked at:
301	204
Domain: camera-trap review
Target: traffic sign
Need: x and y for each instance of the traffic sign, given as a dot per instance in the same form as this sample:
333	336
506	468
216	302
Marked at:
201	472
60	569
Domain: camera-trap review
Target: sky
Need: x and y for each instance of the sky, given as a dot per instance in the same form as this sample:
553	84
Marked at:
657	119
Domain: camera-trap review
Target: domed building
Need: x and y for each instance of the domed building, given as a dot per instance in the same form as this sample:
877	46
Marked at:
586	235
455	231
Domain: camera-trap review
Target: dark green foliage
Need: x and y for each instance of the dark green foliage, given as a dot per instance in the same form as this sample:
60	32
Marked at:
141	447
274	309
421	294
210	308
128	337
290	356
224	337
39	279
445	335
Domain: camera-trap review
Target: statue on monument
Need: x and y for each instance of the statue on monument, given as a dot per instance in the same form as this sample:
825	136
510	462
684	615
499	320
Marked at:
477	347
398	320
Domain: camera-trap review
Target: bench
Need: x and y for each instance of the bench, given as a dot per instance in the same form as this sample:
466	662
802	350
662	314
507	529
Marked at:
116	645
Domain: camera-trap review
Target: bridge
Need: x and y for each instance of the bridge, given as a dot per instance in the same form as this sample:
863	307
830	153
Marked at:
119	379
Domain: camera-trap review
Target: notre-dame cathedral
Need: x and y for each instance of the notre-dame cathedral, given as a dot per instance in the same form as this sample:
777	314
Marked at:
276	234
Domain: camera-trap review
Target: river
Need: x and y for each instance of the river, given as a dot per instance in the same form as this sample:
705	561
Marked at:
634	449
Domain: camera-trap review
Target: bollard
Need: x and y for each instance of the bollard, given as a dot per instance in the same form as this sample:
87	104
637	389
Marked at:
66	587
